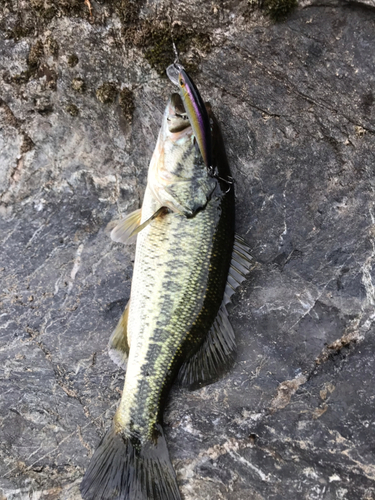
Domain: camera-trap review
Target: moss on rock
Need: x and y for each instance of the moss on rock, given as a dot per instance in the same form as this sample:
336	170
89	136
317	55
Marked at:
72	109
107	93
73	60
34	60
35	55
79	85
126	101
27	143
22	77
159	52
52	46
278	10
127	10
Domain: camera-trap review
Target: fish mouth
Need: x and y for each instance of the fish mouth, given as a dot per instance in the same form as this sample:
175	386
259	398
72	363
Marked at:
177	119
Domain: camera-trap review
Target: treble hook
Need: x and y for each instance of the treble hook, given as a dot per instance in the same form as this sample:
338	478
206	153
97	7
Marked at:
214	173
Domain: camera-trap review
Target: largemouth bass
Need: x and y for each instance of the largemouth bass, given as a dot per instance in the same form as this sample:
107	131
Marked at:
188	263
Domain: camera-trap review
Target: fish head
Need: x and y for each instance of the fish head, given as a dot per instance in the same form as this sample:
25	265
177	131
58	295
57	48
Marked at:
178	176
175	152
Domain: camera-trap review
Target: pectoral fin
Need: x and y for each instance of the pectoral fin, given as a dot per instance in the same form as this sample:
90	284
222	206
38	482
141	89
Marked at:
123	231
126	231
162	211
118	346
189	197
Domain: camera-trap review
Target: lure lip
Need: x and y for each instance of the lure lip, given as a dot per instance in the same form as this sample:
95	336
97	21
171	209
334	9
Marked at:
195	109
173	71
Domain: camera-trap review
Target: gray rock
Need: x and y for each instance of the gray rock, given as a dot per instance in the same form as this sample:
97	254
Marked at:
295	417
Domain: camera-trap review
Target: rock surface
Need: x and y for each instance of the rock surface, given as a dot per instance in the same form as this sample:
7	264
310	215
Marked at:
81	104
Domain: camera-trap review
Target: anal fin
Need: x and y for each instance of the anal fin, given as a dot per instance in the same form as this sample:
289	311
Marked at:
118	346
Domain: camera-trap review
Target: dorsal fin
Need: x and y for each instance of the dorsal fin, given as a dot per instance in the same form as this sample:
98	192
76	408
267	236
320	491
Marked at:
118	345
214	357
240	265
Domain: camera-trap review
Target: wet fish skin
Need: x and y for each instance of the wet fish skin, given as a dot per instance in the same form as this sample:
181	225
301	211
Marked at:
180	272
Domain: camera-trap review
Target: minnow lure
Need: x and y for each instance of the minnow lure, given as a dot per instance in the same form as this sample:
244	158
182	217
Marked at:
195	109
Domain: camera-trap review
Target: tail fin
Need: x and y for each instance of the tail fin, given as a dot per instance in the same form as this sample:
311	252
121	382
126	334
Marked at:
122	469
